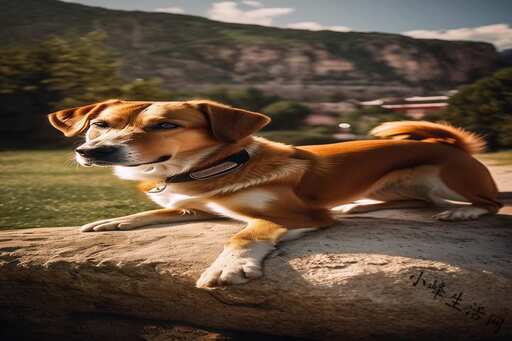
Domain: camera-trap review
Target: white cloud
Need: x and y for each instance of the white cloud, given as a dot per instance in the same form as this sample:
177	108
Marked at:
499	34
175	10
252	3
314	26
229	11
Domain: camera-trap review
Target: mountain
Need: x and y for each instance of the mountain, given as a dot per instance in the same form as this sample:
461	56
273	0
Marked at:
195	53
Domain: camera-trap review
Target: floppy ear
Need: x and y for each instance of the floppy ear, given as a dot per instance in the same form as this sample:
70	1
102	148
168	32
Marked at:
230	124
76	120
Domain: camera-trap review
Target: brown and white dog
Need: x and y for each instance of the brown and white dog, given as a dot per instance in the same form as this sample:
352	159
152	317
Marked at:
199	160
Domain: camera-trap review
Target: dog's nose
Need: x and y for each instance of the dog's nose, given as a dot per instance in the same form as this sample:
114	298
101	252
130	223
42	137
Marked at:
101	152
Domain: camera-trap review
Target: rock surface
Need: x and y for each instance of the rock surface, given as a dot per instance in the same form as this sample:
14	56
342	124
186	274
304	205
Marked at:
371	276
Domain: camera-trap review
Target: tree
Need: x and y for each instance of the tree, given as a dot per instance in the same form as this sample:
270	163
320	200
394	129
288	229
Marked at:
80	72
145	90
485	107
250	98
59	73
286	115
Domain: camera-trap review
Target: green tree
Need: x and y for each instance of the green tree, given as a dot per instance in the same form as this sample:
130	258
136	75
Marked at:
249	98
286	115
59	73
485	107
145	90
80	72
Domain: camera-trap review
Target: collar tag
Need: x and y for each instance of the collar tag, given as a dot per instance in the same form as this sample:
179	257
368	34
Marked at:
158	188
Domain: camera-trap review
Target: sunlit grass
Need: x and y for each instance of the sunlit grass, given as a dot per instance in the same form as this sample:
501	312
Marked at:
498	158
47	188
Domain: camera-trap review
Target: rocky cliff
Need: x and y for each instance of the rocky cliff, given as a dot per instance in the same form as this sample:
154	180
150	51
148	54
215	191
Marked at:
197	53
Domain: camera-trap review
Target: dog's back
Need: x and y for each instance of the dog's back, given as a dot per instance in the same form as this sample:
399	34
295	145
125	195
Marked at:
418	155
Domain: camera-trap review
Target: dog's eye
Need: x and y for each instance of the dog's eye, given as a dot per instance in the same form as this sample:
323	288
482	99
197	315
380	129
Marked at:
100	124
164	125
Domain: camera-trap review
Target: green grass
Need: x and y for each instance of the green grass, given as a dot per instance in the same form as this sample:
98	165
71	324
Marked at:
498	158
47	189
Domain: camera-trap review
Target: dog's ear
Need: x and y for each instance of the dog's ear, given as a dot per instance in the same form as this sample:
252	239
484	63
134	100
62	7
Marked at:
74	121
229	124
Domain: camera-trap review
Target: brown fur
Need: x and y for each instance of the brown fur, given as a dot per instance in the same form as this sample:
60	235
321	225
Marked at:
431	132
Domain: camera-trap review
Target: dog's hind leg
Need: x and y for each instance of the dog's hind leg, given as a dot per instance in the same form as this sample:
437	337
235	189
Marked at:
406	188
474	185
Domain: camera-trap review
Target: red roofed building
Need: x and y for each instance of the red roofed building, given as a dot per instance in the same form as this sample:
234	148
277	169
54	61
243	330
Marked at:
415	107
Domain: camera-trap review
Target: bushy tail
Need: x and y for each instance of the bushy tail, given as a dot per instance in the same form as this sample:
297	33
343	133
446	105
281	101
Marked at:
431	132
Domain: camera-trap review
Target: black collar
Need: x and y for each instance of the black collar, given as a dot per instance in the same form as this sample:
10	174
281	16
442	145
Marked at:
224	166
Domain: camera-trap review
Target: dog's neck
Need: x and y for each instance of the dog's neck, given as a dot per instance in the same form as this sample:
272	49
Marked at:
184	162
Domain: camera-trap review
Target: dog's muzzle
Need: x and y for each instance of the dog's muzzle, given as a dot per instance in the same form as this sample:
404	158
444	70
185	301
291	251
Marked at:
101	154
110	156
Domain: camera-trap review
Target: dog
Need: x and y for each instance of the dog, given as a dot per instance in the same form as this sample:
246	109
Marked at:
198	160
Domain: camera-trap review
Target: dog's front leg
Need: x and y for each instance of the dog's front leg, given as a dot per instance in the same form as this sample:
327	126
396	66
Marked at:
133	221
242	257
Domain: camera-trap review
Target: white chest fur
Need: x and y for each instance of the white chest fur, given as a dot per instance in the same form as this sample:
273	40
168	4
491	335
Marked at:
168	199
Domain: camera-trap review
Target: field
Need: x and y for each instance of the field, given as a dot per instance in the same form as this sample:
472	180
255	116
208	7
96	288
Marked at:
44	188
47	188
497	159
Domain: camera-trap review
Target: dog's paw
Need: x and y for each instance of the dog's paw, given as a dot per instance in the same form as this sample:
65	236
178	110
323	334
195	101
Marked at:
235	266
461	213
110	225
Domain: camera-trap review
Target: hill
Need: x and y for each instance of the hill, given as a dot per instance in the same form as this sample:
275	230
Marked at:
190	52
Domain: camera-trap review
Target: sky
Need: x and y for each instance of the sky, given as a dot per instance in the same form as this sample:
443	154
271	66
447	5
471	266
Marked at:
480	20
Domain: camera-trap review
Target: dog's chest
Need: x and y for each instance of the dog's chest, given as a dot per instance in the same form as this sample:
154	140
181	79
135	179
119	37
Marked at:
163	196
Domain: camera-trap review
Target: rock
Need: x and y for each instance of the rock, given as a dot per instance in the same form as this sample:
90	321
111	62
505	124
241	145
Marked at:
392	274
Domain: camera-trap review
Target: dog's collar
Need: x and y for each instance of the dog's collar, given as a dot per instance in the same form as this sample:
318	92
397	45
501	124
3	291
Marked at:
225	166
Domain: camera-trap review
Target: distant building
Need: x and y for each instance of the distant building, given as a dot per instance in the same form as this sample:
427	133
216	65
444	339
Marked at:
415	107
328	113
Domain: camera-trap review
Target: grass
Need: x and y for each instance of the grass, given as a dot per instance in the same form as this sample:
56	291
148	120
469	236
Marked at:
47	189
43	188
498	158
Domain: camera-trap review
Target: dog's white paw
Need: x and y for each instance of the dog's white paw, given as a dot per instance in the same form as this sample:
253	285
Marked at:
111	224
461	213
236	266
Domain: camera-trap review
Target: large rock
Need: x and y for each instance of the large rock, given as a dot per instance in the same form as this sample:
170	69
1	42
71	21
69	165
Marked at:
389	274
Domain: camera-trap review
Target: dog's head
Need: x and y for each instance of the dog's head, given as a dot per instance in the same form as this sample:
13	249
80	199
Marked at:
129	133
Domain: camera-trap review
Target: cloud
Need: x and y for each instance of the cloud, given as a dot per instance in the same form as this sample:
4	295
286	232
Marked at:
229	11
499	34
175	10
314	26
252	3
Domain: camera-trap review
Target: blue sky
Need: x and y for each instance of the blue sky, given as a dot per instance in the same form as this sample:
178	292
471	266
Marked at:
483	20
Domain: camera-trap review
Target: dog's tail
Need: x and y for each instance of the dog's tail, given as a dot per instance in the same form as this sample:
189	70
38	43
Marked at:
431	132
